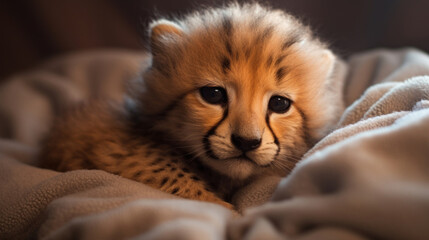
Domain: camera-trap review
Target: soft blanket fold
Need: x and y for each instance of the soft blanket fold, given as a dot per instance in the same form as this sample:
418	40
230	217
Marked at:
367	179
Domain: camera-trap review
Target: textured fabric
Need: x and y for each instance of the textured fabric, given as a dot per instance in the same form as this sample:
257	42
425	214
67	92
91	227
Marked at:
367	179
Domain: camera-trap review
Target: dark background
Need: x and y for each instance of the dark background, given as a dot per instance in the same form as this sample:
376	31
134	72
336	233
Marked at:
34	30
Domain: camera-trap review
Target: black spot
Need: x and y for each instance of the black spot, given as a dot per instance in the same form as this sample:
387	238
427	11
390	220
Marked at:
227	25
291	41
137	174
266	33
195	178
156	161
186	170
180	175
269	61
226	64
164	181
149	180
173	169
117	155
175	190
199	192
168	165
112	141
247	53
173	182
158	170
280	73
228	48
130	153
88	163
279	60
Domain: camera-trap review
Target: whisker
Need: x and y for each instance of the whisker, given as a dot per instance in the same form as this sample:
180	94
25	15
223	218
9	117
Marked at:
219	136
223	144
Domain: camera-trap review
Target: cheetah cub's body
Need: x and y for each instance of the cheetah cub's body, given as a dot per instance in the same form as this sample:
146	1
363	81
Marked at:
231	94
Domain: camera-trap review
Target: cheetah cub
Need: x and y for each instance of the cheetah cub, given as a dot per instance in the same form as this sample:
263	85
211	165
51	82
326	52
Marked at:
231	94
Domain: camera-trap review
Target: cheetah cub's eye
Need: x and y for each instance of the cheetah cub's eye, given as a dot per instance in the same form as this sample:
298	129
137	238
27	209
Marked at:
279	104
214	95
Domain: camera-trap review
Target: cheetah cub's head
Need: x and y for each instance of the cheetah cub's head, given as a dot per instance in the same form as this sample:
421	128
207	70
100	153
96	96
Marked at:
242	88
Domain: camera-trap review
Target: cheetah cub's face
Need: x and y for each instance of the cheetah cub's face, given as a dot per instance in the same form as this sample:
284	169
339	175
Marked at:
241	88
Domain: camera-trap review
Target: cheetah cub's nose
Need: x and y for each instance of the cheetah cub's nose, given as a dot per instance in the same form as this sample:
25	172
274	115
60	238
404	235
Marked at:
244	144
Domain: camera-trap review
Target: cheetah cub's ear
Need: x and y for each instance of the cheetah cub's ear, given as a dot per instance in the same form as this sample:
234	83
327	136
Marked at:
163	32
326	63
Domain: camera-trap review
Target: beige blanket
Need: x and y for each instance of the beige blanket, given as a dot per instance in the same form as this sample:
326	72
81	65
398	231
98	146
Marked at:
367	179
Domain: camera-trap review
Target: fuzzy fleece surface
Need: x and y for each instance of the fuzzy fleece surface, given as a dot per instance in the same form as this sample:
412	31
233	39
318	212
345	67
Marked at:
367	179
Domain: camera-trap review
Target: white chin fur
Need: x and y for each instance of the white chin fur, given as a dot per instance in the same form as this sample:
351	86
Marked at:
236	169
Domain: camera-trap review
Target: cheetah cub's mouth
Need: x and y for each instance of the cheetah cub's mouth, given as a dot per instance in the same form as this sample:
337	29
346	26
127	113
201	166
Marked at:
242	89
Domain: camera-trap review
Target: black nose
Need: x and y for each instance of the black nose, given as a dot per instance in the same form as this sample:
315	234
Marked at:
245	145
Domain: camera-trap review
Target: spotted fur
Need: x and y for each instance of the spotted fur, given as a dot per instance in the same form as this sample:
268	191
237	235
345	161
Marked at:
172	139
